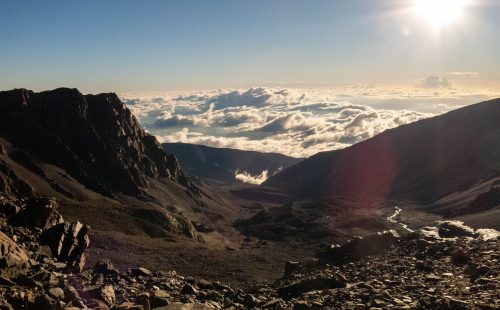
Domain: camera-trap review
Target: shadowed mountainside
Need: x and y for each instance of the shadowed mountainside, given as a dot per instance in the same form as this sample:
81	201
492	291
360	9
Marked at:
221	164
95	138
91	153
422	162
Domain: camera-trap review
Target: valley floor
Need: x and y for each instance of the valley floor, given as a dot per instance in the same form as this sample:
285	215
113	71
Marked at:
241	265
230	257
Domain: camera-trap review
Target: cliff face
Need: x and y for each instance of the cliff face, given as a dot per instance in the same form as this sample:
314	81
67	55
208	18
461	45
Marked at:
95	138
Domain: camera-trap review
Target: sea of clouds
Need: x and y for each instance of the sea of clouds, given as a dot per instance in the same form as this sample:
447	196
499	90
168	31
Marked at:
295	122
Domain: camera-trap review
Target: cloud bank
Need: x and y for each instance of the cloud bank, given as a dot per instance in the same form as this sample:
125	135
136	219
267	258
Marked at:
436	82
295	122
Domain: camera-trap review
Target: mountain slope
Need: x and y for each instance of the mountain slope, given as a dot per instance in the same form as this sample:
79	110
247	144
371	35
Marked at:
423	161
222	163
94	138
91	154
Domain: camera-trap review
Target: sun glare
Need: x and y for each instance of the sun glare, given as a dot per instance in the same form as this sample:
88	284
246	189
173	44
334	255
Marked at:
440	13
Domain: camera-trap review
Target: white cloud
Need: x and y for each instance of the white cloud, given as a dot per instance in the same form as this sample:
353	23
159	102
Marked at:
464	74
296	122
436	82
166	119
293	121
246	177
254	97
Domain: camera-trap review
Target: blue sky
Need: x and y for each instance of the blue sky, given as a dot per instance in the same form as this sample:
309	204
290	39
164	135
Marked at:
128	46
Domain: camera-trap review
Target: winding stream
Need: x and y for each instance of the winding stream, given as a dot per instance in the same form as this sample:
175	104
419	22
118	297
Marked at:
393	217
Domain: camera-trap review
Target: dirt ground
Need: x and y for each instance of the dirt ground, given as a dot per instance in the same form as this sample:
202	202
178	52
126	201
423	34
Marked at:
243	265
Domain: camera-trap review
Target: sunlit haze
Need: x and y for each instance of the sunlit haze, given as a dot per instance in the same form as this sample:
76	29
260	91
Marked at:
441	13
126	46
278	76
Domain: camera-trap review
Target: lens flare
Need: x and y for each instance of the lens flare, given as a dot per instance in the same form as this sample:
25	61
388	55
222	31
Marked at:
440	13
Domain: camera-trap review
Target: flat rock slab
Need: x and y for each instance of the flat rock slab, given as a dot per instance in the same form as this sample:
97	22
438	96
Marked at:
181	306
13	259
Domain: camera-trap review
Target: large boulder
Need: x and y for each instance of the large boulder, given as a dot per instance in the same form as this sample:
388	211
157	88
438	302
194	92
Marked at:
451	229
13	259
359	248
68	243
8	207
320	283
105	268
187	306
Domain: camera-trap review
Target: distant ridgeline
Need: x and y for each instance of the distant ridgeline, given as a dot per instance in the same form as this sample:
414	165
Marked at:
221	164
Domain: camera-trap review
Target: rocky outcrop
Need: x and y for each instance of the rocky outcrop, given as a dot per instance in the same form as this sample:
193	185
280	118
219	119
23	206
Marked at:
313	284
95	138
422	270
359	248
451	229
38	213
68	242
64	144
13	259
162	223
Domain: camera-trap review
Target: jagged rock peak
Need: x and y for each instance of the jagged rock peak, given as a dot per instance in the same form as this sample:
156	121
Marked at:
93	137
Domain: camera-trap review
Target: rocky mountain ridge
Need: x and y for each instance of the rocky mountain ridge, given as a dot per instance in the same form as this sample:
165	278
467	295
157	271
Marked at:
90	152
95	138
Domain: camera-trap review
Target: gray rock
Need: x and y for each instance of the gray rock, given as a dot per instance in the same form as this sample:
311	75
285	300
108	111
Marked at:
107	294
45	302
432	278
189	290
105	268
68	243
57	293
140	271
451	229
159	298
187	306
38	212
130	306
359	248
290	268
460	257
71	293
457	304
13	259
250	301
300	305
319	283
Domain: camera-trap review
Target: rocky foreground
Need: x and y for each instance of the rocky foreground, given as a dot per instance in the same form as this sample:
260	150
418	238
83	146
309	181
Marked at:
449	266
